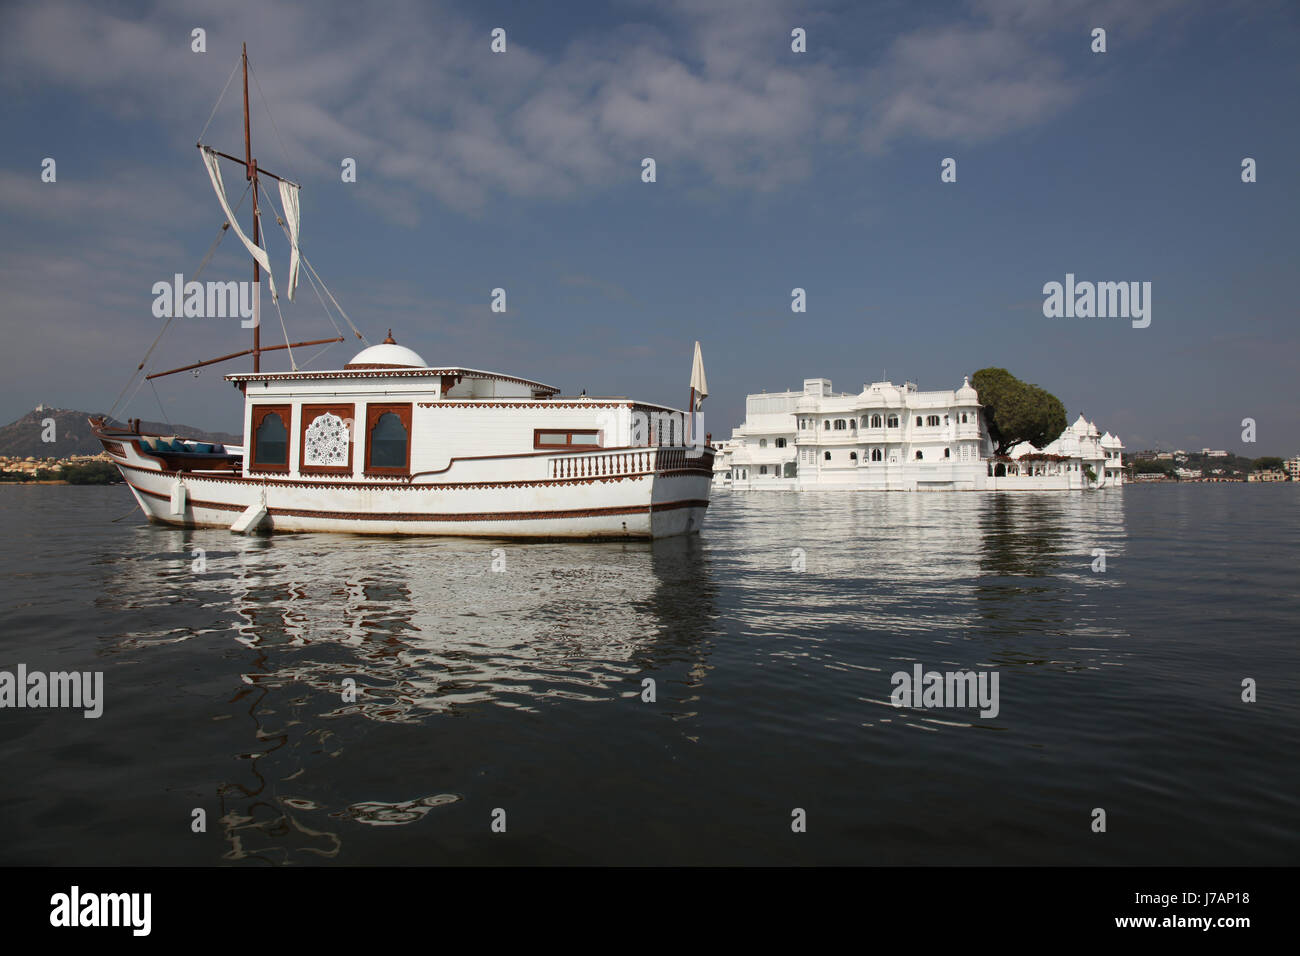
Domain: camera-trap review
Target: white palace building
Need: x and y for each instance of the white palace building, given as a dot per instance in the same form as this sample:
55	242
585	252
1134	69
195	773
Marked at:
897	438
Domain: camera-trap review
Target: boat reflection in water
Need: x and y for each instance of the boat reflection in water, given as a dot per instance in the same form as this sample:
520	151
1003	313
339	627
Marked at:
429	630
406	632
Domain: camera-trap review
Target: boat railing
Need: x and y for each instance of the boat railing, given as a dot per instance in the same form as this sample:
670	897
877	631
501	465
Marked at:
597	464
631	461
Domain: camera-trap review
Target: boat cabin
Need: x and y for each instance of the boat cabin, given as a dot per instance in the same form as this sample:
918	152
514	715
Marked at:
388	415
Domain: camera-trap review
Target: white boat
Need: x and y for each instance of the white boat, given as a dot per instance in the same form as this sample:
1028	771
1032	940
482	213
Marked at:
390	444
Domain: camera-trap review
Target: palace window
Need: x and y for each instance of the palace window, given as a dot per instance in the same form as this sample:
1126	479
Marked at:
762	443
947	453
931	420
326	439
963	418
840	424
548	438
270	438
853	456
893	421
388	439
826	425
876	455
919	456
875	421
827	455
918	421
762	469
780	443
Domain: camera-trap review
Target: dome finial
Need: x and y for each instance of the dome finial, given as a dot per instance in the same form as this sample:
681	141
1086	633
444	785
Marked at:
390	340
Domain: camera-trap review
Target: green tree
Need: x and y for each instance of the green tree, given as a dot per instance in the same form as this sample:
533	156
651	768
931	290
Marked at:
1016	411
1267	463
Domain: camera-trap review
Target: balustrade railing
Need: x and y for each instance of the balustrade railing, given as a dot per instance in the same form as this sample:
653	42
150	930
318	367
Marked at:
629	462
596	465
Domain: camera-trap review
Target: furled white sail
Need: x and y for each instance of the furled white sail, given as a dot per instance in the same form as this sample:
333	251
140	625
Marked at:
210	160
698	381
292	219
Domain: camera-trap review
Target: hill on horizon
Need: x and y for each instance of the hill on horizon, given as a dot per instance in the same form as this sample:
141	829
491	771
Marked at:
23	438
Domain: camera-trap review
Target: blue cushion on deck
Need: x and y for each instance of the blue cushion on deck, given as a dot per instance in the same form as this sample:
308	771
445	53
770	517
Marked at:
202	448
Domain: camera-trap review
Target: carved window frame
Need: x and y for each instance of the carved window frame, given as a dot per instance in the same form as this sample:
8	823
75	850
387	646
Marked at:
307	415
373	414
258	415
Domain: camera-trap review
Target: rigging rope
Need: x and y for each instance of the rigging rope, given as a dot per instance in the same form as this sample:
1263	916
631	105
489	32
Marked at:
323	350
355	330
160	406
138	386
267	106
219	99
275	298
212	249
312	272
328	314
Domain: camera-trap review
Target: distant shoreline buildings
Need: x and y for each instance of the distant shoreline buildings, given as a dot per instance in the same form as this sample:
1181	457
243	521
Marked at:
898	438
32	466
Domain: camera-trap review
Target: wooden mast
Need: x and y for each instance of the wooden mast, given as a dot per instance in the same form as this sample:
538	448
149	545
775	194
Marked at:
251	175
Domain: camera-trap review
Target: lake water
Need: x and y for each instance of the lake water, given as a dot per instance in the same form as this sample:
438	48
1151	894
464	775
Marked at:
520	690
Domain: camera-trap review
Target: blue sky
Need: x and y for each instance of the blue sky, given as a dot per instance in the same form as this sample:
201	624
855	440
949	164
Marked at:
775	170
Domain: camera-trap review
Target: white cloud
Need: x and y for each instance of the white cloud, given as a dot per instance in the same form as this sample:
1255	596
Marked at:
417	98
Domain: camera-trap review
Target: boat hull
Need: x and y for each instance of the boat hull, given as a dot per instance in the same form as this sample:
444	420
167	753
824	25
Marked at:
662	493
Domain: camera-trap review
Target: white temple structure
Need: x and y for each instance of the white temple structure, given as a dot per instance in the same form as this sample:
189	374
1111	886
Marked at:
897	438
1078	444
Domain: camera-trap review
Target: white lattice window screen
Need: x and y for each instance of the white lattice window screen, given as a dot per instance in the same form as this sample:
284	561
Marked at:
326	442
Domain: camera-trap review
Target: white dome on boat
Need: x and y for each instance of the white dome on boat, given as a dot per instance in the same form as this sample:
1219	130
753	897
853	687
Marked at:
387	354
